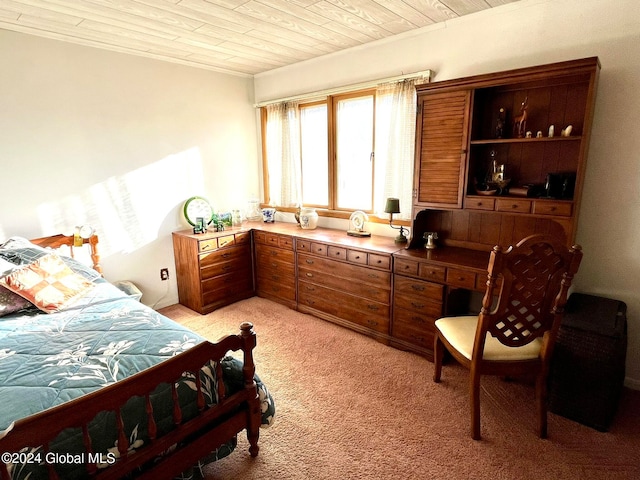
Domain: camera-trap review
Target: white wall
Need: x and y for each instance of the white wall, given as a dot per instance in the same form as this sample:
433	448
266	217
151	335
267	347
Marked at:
526	33
118	142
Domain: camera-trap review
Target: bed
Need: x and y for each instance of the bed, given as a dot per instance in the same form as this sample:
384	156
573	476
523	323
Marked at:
94	384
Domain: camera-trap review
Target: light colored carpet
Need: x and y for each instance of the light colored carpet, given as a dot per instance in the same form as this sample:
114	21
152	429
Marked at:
349	407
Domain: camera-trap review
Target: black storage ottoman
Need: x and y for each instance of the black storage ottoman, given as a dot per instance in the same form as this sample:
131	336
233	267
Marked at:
588	365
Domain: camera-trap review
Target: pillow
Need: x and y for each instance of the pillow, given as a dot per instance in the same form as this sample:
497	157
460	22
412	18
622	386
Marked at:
5	266
48	283
18	251
11	302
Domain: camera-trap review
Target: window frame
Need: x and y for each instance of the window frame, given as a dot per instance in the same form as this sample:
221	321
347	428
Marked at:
332	210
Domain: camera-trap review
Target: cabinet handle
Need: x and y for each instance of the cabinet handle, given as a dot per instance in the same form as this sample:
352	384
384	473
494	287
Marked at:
418	319
309	275
226	255
357	257
373	308
372	275
417	305
372	323
418	288
553	209
206	247
226	268
309	261
420	339
514	206
273	253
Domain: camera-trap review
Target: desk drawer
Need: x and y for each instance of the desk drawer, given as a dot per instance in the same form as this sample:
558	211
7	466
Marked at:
413	327
434	273
405	267
419	288
461	278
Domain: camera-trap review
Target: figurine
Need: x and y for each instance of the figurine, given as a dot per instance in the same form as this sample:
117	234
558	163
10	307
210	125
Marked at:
500	123
520	122
552	131
567	131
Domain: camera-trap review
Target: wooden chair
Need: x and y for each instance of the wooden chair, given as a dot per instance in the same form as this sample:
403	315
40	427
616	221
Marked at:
514	334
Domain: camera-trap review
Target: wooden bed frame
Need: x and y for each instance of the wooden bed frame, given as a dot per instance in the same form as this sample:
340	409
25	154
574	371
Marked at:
195	438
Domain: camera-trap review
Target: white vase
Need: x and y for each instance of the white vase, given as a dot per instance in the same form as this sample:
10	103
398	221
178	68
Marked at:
308	218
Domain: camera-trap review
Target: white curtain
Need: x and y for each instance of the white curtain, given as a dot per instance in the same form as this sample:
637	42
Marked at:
283	154
394	146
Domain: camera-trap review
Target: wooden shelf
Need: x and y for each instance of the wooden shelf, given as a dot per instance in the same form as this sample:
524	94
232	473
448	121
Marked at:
526	140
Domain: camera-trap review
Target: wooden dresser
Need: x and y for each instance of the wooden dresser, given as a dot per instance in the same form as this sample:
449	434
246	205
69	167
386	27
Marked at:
346	282
213	269
275	267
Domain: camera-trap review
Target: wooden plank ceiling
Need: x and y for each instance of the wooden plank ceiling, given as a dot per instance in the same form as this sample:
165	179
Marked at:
242	37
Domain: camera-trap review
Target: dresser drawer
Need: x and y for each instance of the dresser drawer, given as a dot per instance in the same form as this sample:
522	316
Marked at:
352	273
285	241
358	257
208	245
229	284
243	238
380	261
360	311
268	288
562	209
337	252
274	253
419	288
303	245
513	205
318	248
226	241
461	278
224	255
229	263
360	289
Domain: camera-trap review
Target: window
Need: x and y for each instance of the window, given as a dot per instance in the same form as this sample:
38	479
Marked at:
343	153
314	145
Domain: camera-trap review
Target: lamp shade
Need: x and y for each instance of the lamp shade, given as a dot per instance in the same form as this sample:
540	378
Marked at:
392	206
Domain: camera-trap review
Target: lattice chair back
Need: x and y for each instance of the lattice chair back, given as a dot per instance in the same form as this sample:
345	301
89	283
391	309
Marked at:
533	278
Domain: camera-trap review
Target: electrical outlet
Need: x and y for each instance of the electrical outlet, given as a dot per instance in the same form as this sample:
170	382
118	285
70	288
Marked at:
164	274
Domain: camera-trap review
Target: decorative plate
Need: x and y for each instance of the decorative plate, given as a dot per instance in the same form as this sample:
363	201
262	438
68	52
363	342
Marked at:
198	207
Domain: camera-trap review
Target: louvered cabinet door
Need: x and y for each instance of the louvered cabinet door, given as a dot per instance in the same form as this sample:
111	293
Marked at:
441	148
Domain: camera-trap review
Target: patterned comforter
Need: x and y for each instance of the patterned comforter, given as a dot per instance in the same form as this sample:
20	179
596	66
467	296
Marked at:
106	336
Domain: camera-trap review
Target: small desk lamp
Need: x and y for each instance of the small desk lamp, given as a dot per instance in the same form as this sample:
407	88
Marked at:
393	206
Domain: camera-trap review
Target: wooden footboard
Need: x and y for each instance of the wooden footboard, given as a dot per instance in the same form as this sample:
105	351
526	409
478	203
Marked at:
182	446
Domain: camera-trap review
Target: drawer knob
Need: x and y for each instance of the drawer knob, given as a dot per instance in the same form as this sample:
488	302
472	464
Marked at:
309	275
514	206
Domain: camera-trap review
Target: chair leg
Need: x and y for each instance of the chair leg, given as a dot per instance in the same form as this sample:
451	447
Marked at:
541	400
474	387
438	353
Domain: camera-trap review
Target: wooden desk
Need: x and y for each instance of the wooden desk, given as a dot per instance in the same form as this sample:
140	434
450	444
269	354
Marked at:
429	284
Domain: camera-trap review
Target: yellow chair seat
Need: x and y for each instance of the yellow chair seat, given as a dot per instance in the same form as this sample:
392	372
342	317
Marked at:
460	332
